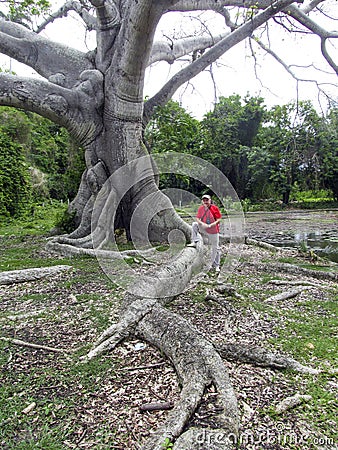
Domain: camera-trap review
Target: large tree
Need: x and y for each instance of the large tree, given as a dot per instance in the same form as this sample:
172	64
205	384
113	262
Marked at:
98	97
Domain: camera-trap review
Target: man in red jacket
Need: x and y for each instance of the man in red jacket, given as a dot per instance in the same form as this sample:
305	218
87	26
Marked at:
207	224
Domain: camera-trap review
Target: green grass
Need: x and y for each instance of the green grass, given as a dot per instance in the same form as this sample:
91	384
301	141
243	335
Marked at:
52	420
307	331
311	334
39	220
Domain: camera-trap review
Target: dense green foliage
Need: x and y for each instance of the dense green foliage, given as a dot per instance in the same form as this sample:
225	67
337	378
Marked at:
278	154
266	154
38	161
228	133
173	129
295	141
54	153
21	11
15	188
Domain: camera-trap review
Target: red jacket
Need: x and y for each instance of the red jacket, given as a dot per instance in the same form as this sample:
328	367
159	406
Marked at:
209	215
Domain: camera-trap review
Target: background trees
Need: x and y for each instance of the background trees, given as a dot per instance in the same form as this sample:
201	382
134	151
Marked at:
329	155
266	154
228	133
38	161
15	188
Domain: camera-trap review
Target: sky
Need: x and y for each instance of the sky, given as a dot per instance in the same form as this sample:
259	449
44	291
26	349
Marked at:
234	73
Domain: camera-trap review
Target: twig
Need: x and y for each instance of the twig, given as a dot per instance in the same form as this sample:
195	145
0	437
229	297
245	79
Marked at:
156	406
150	366
29	344
83	434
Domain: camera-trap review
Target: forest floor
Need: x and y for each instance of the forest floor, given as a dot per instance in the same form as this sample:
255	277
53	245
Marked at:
96	405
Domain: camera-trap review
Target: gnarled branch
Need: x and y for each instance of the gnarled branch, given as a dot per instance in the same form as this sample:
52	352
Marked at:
46	57
171	51
79	8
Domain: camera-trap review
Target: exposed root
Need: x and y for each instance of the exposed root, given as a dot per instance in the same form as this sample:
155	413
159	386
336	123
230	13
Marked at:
291	402
24	275
286	295
73	250
262	244
294	283
197	364
260	357
83	242
293	269
113	335
15	317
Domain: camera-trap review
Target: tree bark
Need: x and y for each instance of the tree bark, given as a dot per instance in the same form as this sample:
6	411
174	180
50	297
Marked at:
25	275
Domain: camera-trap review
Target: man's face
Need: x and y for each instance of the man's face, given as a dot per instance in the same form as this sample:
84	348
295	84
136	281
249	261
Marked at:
206	201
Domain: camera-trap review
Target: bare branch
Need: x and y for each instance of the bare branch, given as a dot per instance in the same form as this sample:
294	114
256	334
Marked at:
311	6
215	5
327	56
212	55
73	109
47	57
308	23
315	28
287	67
171	51
71	5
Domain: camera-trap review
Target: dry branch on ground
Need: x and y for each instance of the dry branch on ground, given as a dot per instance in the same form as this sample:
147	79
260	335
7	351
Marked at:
197	362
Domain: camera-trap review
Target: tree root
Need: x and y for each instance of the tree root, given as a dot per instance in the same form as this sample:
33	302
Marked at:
24	275
296	270
260	357
262	244
116	333
70	250
294	283
286	295
291	402
198	366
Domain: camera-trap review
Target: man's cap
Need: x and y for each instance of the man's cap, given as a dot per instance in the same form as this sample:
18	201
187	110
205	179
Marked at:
206	196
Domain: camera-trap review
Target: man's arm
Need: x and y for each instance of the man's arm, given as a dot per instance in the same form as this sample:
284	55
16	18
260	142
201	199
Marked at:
217	216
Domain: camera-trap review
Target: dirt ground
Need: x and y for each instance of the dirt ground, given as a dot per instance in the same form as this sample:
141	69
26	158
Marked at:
110	416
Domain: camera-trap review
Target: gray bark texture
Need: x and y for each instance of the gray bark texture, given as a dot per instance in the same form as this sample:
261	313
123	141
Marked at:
25	275
98	97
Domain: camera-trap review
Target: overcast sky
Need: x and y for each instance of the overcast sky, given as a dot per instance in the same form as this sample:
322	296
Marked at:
234	73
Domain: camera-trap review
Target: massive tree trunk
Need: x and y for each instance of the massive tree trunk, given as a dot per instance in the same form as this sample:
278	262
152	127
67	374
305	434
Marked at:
98	96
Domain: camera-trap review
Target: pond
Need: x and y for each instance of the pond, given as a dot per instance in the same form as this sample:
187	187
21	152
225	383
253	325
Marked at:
317	230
